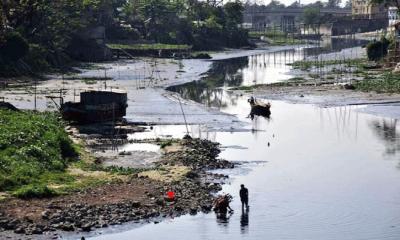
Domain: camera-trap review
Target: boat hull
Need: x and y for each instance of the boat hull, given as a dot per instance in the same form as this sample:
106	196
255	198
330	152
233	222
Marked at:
260	110
81	113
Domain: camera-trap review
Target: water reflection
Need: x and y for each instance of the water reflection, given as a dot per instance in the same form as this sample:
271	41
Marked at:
387	131
208	91
323	178
223	218
244	221
244	72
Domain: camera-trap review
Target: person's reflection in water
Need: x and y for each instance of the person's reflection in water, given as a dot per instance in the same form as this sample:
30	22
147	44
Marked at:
223	218
244	221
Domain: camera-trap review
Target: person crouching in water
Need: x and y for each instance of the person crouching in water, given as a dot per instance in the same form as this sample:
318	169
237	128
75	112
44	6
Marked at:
221	205
244	196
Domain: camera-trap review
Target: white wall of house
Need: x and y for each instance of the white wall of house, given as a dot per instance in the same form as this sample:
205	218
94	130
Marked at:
393	15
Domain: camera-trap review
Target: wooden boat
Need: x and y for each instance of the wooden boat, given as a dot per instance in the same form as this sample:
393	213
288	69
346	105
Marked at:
8	106
259	108
96	106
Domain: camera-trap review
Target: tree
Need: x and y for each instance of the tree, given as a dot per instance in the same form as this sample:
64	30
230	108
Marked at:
2	25
311	16
317	4
233	13
348	4
333	3
394	3
14	48
295	4
275	4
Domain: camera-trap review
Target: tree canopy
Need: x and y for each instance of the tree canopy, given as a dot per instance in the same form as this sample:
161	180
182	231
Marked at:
50	26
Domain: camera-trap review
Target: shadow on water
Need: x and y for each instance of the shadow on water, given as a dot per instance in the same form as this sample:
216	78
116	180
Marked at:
335	44
223	219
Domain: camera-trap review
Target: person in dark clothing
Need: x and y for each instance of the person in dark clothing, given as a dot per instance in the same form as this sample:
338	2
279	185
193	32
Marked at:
244	196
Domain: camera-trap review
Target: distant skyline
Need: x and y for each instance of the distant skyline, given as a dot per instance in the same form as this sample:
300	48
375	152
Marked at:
289	2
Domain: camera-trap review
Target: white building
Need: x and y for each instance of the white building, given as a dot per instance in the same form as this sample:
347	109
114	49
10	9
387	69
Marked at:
393	16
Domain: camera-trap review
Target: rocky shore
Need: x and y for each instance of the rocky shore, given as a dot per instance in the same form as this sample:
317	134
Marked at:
139	197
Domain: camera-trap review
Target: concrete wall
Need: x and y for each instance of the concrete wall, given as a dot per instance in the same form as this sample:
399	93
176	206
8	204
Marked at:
351	26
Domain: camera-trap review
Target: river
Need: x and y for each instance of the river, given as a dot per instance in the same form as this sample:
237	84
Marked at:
313	173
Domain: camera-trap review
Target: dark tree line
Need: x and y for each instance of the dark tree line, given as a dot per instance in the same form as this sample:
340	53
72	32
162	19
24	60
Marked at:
37	33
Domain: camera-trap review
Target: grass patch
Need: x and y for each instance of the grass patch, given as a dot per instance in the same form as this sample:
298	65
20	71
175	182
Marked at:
306	65
296	79
247	88
35	191
388	82
155	46
89	81
38	159
31	144
166	174
86	79
166	143
279	41
33	147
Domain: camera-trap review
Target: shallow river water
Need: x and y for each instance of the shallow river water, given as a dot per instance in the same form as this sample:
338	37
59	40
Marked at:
312	173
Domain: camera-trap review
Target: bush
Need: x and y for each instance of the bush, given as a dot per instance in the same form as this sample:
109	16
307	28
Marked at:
377	49
31	144
14	48
36	58
35	191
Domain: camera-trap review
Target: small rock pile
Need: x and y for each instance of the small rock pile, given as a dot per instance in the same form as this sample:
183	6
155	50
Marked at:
199	154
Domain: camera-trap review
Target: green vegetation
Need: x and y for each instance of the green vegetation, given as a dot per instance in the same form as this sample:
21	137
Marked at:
378	49
311	16
35	191
388	82
38	159
276	37
166	143
42	35
247	88
290	82
306	65
89	81
31	146
157	46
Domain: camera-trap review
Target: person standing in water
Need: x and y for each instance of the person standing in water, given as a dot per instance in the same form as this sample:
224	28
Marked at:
244	196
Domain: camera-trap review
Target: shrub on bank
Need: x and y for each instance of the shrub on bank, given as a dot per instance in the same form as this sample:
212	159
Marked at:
35	191
377	49
31	145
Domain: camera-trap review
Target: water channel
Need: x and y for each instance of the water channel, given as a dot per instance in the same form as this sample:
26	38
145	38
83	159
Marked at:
313	173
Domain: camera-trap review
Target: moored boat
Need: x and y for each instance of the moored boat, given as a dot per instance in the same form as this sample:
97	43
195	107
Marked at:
259	108
96	106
